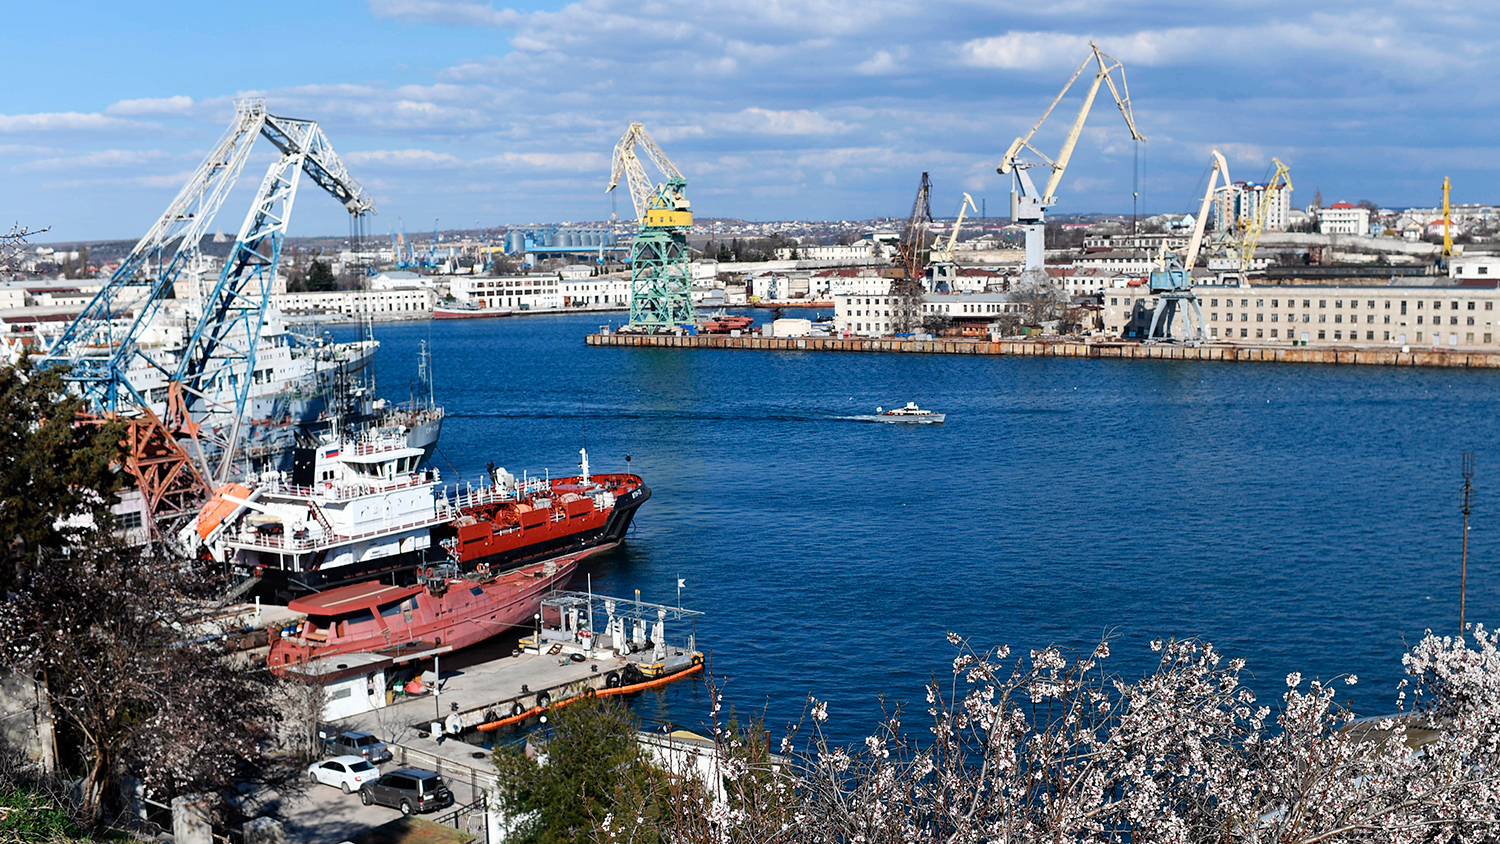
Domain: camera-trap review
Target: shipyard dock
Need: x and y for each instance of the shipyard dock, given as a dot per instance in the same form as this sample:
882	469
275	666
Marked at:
1461	359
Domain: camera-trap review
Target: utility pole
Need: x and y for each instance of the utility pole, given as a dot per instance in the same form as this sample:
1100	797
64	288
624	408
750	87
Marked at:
1463	577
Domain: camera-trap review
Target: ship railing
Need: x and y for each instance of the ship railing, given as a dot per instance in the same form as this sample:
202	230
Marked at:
347	491
276	542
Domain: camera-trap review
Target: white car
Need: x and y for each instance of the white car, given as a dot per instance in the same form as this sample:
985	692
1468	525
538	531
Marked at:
346	772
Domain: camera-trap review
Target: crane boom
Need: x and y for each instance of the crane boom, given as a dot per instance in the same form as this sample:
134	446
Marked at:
1280	180
1028	206
1447	253
1218	167
946	254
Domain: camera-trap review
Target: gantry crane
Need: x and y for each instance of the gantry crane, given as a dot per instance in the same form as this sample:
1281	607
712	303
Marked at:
1027	206
661	296
1280	180
211	376
907	289
942	267
1172	283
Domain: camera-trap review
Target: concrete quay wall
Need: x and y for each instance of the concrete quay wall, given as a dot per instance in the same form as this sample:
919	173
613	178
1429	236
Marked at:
1065	349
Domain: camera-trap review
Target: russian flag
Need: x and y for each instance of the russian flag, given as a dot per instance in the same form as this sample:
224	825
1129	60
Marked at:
331	453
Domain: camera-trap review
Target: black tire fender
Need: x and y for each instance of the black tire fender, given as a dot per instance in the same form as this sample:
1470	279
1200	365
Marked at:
542	699
612	680
516	709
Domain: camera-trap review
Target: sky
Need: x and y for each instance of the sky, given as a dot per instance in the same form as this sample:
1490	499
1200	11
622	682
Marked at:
463	111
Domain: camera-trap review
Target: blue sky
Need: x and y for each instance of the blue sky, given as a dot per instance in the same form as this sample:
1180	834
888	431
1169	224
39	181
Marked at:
827	109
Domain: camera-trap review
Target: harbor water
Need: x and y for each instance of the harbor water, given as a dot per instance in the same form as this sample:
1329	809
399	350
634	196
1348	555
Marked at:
1303	517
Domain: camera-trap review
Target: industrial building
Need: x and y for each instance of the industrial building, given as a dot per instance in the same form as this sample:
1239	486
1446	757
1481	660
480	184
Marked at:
1448	317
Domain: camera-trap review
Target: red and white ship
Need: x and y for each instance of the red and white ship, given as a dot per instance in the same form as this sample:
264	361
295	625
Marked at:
360	508
442	611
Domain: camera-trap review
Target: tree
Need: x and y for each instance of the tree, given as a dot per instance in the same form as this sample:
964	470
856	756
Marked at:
320	277
1051	746
592	756
107	629
58	474
1317	198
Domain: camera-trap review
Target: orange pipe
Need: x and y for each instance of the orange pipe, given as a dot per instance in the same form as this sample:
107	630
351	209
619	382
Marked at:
618	690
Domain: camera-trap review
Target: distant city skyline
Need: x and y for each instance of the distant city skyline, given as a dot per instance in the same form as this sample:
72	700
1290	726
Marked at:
469	112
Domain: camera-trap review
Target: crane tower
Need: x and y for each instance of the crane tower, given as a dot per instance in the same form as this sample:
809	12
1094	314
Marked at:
661	297
1028	206
906	291
209	379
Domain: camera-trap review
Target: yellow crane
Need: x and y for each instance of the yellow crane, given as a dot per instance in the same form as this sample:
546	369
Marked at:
1281	180
1447	226
1026	205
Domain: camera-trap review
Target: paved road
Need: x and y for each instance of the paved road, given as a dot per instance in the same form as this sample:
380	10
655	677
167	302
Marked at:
322	814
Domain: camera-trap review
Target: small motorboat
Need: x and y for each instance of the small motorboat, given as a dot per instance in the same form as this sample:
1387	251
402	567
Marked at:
909	415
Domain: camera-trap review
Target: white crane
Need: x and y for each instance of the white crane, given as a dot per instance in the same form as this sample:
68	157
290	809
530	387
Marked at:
1026	205
943	268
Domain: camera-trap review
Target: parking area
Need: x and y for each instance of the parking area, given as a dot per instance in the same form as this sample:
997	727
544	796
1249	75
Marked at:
322	814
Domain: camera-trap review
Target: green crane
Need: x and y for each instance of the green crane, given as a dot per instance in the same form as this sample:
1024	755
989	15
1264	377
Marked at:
661	278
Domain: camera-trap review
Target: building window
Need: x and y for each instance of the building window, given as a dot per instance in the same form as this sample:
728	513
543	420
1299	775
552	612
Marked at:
1453	320
1244	332
1322	303
1307	303
1114	301
1388	304
1320	334
1469	337
1371	304
1244	317
1338	317
1273	334
1213	332
1369	335
1419	336
1487	338
1471	306
1259	317
1274	316
1387	335
1338	335
1471	319
1484	270
1307	317
131	520
1419	319
1213	316
1322	317
1455	305
1338	303
1275	304
1244	303
1213	303
1403	307
1260	303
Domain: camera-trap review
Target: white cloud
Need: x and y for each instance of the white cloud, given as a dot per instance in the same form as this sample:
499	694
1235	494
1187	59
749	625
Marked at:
100	158
403	158
177	105
60	121
791	122
463	12
882	63
573	161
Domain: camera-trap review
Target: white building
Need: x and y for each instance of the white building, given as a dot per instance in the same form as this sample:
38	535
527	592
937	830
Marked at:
1476	267
1241	202
599	292
539	292
1343	218
868	315
412	303
864	250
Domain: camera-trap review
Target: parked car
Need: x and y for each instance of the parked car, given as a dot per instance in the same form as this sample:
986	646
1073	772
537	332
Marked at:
409	789
354	743
349	773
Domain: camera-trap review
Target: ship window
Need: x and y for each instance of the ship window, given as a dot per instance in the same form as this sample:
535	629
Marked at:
475	590
390	609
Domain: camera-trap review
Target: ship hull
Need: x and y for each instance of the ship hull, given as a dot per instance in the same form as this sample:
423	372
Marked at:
368	618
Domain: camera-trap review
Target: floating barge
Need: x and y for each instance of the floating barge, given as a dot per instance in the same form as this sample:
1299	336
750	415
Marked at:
1063	349
581	645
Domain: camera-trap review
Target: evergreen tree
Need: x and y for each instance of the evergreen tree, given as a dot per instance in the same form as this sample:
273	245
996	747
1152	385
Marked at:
320	277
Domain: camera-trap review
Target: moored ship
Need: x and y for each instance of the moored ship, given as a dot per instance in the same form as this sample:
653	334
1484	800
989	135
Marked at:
443	610
360	507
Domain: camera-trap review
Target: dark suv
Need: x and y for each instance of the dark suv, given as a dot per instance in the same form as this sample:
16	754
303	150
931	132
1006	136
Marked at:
409	789
354	743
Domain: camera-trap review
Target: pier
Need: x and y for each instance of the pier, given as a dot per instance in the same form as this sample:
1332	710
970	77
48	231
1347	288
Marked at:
1063	349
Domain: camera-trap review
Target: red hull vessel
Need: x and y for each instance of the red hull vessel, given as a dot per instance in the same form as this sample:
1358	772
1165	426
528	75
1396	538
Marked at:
519	523
446	611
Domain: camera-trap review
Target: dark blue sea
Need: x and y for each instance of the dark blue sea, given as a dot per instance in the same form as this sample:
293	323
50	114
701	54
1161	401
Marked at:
1303	517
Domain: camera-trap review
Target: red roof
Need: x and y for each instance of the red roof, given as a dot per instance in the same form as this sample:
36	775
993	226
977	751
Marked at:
1341	205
